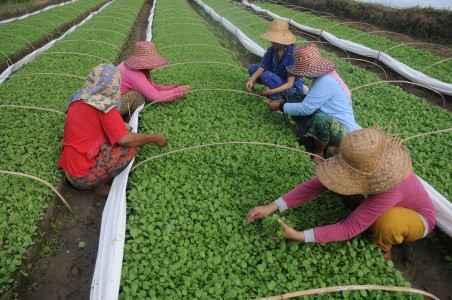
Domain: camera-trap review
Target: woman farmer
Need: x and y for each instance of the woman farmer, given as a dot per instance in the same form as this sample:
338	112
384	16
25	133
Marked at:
397	208
96	143
272	71
136	82
328	94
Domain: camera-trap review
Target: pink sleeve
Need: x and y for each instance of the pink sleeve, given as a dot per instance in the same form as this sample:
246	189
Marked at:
359	220
162	87
303	193
142	85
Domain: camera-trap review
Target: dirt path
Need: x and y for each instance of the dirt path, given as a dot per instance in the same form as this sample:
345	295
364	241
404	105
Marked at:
61	264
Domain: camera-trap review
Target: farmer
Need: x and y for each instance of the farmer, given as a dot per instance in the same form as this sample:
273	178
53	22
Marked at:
328	94
370	163
96	143
272	71
136	83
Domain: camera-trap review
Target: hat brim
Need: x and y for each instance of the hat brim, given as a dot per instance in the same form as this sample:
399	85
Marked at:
287	39
336	175
145	63
311	71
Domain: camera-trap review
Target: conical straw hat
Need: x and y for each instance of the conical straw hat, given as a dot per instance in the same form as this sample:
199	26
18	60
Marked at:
310	63
278	32
145	57
369	162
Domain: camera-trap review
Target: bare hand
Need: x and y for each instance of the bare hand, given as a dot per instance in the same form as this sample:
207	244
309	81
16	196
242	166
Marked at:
267	92
290	233
249	85
260	212
274	105
161	140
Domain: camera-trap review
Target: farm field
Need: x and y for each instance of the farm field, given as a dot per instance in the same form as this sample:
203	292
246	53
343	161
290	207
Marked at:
406	116
30	138
420	59
24	35
186	235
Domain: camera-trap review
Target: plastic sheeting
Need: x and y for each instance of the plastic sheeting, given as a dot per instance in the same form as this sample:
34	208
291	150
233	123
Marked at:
37	12
248	43
392	63
30	57
435	4
107	273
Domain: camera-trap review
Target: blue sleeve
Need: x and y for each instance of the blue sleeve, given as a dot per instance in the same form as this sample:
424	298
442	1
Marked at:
267	59
316	97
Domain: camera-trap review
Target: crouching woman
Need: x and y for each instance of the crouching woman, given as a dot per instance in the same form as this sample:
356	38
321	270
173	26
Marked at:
396	206
96	144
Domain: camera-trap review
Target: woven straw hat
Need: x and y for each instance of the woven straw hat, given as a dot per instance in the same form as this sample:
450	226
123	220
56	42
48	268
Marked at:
278	32
369	162
145	57
309	62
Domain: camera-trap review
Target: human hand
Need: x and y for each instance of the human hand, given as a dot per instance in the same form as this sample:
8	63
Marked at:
290	233
260	212
160	140
249	85
267	92
274	105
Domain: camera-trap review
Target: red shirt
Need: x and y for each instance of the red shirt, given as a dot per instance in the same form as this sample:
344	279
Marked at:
86	129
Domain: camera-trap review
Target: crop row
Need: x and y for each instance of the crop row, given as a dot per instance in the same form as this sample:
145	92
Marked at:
415	57
26	34
30	139
186	237
382	105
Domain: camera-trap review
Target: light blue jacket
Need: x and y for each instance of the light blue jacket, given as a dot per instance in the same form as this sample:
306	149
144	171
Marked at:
330	95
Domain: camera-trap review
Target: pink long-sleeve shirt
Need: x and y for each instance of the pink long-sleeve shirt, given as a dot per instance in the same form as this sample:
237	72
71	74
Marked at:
408	194
137	81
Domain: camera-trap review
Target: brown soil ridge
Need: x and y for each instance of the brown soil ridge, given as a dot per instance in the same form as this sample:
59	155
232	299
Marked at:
51	36
61	263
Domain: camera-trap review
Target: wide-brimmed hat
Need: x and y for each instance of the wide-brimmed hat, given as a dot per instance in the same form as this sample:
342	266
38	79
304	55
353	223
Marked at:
101	89
309	62
145	57
369	162
278	32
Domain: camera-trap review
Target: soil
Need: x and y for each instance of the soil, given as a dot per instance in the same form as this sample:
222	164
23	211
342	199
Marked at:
9	10
61	264
425	265
44	40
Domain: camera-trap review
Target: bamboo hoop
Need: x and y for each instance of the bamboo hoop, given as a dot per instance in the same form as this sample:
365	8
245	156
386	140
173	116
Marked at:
210	145
36	28
203	35
400	81
92	41
54	74
106	30
403	44
345	288
198	62
437	63
183	17
20	174
346	23
372	32
75	53
427	134
182	24
32	108
28	42
197	45
370	62
8	60
115	20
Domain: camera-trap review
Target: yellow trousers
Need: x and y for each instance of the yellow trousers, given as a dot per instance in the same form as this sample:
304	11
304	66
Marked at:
396	226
